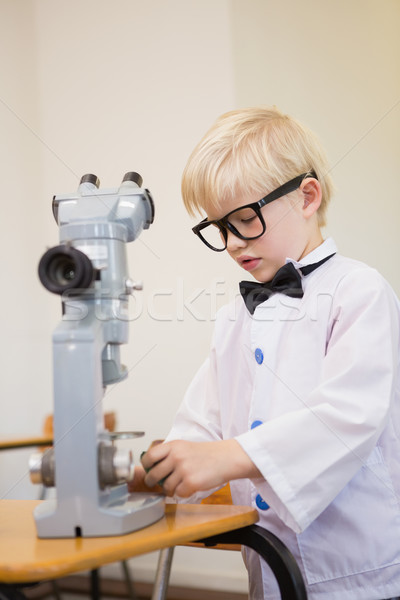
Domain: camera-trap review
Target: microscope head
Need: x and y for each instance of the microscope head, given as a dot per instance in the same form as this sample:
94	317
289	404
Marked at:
91	221
129	206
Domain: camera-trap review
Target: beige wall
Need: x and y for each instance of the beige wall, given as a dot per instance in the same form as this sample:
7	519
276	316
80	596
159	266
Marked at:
109	86
24	358
335	65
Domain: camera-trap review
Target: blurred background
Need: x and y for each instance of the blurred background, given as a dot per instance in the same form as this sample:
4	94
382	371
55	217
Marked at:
109	86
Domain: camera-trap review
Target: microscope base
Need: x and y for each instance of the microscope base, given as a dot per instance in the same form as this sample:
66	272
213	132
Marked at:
116	517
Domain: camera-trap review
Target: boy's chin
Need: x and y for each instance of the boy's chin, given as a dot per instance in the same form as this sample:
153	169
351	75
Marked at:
263	276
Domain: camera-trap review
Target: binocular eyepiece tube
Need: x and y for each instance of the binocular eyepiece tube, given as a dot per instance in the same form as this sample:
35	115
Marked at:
130	176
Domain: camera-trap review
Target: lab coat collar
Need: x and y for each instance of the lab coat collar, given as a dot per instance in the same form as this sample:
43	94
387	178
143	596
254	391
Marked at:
325	249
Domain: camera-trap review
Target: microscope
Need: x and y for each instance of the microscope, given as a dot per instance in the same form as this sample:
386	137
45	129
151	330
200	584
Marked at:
89	271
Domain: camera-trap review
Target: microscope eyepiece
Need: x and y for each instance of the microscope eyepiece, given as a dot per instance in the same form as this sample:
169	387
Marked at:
134	177
65	268
90	178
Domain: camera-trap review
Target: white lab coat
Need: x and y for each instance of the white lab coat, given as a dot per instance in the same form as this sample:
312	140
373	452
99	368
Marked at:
310	389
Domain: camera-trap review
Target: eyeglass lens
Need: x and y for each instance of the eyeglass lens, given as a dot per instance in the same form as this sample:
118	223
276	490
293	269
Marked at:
245	221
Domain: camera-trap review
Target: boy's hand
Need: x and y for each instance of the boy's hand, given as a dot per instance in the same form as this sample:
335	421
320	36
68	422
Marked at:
189	467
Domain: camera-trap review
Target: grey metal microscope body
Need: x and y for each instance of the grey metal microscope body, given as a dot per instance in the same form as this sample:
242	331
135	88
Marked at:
89	271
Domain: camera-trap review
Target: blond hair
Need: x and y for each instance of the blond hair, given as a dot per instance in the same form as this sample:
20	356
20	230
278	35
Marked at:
252	150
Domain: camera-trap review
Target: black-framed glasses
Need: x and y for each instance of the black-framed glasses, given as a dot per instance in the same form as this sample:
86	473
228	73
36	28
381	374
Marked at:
246	222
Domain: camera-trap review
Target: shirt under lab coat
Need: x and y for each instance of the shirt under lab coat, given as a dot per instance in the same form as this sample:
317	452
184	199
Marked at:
309	388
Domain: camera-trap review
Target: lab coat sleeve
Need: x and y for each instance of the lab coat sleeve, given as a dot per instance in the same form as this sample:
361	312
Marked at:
307	456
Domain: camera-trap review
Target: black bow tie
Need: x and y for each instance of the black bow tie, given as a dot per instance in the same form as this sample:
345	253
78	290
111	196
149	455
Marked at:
287	280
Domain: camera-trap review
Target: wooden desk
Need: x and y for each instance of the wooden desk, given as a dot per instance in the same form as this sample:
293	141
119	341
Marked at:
24	557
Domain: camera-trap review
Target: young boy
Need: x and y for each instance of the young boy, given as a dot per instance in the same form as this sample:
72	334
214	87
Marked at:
298	403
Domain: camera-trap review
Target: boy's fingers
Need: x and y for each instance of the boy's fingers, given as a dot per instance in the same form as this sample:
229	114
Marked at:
153	477
157	469
170	484
153	455
150	480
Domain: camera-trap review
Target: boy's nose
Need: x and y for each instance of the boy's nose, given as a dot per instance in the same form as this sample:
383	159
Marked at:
234	243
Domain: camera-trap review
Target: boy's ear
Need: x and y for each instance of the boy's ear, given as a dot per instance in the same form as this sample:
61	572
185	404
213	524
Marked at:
312	196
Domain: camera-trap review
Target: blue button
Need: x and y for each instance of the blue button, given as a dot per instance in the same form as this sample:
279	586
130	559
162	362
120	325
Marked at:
261	504
259	355
255	424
